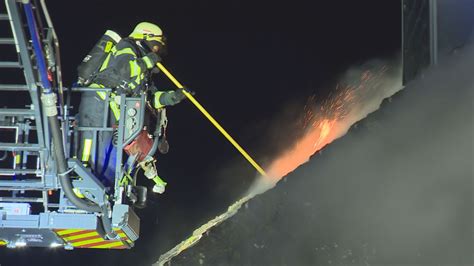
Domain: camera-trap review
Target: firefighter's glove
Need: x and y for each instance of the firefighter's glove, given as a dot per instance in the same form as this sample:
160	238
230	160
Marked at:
179	93
177	96
188	90
154	58
168	98
155	70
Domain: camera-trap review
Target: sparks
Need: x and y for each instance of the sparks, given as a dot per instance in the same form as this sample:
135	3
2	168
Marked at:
325	121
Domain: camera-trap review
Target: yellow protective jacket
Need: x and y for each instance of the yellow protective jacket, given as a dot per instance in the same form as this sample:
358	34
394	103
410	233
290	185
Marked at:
127	70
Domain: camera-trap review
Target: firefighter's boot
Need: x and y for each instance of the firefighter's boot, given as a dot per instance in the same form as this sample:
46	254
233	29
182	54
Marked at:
159	186
150	172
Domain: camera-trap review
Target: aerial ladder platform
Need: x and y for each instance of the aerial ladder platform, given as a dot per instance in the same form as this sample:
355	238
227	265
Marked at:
48	198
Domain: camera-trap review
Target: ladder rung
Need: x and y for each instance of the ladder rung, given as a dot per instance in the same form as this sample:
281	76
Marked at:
18	199
4	17
7	41
13	87
6	64
19	147
22	185
17	112
19	171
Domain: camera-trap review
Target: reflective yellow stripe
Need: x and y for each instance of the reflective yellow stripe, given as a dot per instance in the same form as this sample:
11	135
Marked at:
87	150
134	69
18	159
102	94
67	231
95	85
110	245
87	242
138	80
140	75
159	181
113	105
106	63
115	110
125	51
125	179
157	103
108	46
157	38
81	236
147	37
148	62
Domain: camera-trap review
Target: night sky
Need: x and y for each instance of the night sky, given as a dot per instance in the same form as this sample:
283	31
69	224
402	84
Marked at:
247	61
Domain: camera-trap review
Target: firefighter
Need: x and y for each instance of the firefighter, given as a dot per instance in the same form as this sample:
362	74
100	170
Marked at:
126	69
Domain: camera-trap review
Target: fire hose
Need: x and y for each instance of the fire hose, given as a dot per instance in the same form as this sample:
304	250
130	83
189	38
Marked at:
49	101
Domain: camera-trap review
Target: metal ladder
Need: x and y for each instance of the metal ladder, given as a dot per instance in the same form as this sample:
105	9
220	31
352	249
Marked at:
26	174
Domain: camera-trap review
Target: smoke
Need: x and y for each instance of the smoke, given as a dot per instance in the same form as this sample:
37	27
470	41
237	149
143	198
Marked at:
359	92
397	190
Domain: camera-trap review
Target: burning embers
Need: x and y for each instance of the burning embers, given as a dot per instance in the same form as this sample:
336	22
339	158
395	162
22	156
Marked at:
328	120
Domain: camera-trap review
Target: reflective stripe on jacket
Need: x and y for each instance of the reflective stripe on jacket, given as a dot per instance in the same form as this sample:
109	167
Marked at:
125	68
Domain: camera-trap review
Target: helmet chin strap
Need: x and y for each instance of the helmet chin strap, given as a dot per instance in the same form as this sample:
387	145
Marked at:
148	47
141	44
144	45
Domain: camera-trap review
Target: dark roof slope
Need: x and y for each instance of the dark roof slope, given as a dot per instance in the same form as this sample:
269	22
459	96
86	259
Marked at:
396	189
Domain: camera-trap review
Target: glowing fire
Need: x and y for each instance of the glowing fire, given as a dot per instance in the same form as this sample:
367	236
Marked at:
312	142
326	121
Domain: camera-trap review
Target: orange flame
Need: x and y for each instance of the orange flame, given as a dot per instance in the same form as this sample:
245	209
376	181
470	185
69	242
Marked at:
324	126
313	141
